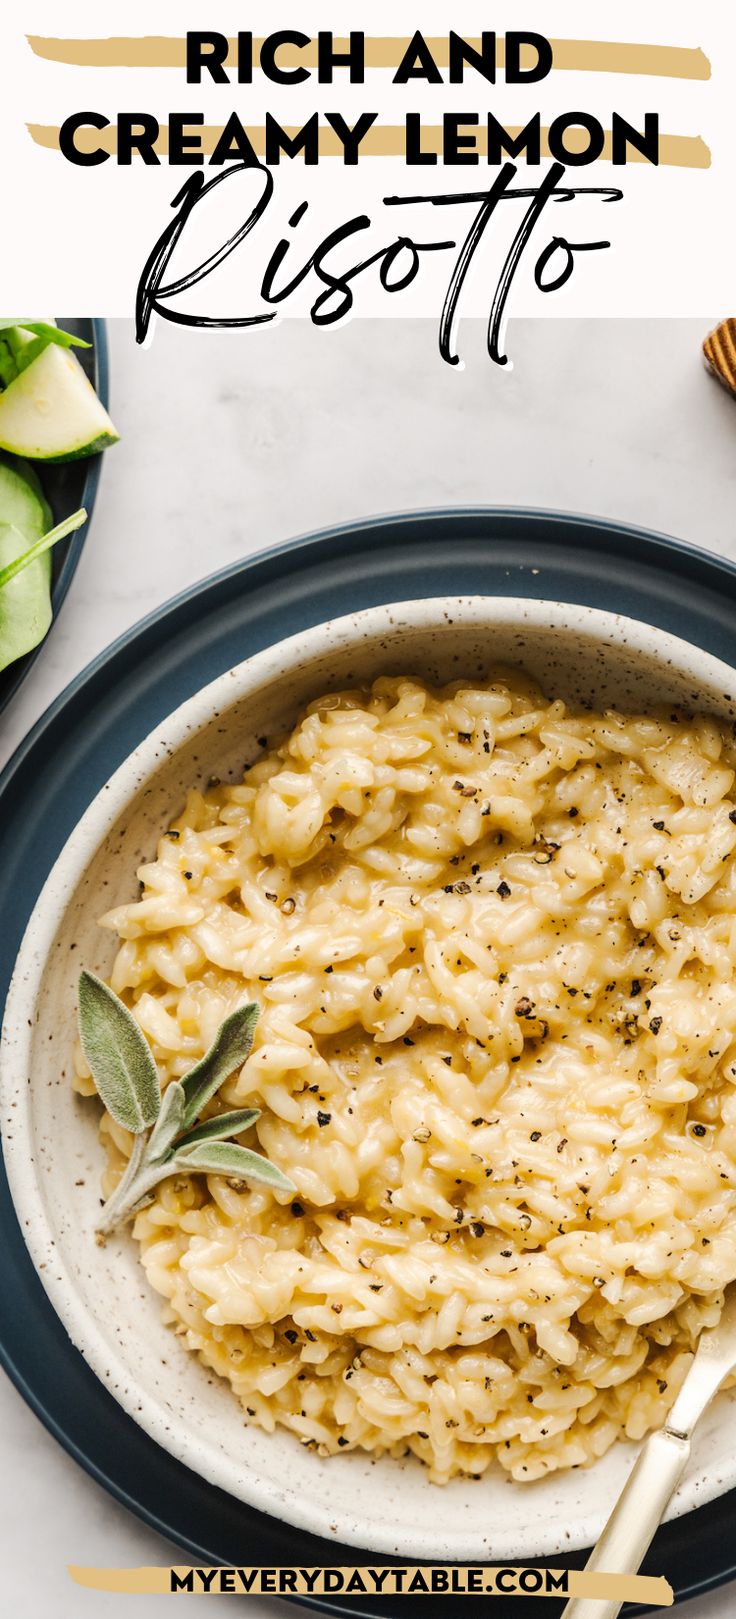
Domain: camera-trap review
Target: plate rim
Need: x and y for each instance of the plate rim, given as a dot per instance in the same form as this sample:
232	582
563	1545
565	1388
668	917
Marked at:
314	539
218	697
697	560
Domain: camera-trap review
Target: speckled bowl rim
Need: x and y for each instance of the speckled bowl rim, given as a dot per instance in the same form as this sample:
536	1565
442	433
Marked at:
706	671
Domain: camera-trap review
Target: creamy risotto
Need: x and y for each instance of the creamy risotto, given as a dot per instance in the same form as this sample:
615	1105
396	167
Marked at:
493	943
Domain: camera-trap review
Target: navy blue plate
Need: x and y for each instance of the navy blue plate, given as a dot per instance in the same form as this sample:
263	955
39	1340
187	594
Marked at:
67	486
93	726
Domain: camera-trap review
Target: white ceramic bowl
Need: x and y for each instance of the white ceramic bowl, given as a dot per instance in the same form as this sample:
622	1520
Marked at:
50	1137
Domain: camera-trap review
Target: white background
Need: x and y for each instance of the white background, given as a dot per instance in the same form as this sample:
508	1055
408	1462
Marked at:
232	444
85	233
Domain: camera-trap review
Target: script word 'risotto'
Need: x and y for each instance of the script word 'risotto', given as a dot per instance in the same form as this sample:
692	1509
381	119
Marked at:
493	943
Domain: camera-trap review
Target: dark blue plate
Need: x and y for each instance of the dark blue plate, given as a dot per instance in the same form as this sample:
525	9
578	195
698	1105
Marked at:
67	486
90	730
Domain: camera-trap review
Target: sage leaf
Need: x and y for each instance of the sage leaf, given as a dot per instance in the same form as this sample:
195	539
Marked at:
119	1056
118	1205
168	1124
127	1081
228	1051
227	1158
221	1127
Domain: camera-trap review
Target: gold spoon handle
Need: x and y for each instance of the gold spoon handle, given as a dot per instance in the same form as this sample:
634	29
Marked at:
634	1520
659	1468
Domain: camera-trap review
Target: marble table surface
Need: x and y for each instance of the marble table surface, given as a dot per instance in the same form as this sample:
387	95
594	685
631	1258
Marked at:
230	443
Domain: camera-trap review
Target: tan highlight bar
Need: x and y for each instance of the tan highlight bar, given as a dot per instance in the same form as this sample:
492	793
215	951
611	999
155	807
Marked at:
570	55
383	140
469	1580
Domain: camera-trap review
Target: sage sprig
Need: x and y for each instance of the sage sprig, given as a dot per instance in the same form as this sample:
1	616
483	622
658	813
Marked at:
168	1138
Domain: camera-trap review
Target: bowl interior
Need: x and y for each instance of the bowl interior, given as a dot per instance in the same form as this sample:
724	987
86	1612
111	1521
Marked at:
50	1136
